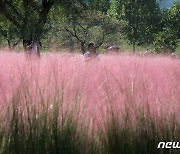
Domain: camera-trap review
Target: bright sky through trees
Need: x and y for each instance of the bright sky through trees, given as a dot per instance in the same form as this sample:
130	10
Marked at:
168	3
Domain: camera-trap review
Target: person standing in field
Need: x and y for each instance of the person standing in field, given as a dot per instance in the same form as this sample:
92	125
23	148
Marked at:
91	53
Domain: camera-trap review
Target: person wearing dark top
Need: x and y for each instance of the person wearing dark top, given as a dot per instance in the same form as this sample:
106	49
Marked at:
91	53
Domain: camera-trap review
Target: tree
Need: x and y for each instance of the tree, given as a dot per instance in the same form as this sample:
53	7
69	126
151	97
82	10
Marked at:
29	17
90	23
166	39
174	19
95	27
143	18
9	32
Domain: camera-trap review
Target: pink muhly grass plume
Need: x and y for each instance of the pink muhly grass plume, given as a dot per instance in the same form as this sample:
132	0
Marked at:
94	88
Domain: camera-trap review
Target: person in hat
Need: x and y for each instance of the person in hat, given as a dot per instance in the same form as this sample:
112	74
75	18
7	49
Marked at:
113	50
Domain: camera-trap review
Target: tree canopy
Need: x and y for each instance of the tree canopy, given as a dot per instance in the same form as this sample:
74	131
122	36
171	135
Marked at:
78	22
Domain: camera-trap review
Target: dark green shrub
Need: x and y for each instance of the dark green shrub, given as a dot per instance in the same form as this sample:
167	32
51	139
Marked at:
165	41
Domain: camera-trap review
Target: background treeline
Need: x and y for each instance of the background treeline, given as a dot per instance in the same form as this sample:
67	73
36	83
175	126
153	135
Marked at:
72	24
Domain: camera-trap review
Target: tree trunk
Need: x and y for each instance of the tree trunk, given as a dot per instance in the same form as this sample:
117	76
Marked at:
134	47
83	47
16	43
9	44
22	18
33	37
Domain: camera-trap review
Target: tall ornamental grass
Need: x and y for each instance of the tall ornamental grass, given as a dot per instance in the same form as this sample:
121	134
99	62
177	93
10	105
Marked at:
60	103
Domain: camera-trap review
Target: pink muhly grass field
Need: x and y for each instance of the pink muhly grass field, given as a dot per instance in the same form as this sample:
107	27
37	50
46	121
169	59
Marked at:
121	83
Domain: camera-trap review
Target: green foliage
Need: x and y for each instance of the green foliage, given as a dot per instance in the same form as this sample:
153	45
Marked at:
144	18
174	18
9	32
77	29
73	24
28	17
112	11
165	41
